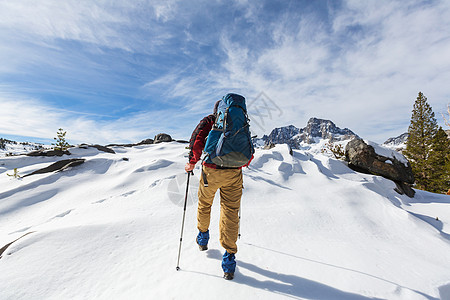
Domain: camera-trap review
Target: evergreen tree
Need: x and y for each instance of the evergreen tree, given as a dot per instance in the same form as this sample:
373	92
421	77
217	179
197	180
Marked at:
439	162
421	131
60	139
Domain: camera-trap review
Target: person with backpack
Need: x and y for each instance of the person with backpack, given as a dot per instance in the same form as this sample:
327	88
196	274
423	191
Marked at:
225	138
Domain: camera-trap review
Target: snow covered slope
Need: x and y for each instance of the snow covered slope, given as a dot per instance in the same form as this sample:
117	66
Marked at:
311	229
12	147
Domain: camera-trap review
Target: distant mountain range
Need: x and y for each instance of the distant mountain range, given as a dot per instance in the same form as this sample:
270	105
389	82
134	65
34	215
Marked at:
8	147
397	143
315	129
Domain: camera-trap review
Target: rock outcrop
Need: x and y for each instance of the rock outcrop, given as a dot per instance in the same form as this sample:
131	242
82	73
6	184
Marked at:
162	137
98	147
59	166
53	152
143	142
362	157
315	128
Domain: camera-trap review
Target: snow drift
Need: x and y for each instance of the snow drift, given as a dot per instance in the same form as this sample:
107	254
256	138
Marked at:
311	229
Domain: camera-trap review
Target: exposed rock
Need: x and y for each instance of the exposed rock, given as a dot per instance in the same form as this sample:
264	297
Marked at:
53	152
316	128
162	137
104	149
404	188
325	129
290	151
283	135
59	166
362	157
121	145
98	147
145	142
269	146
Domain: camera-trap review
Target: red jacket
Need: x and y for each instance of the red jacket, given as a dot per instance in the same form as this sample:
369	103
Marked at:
198	140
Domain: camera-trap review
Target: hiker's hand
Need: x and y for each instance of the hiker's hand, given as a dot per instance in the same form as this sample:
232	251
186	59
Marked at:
189	167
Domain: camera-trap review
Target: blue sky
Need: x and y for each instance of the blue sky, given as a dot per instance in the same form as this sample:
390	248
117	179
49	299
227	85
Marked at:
123	71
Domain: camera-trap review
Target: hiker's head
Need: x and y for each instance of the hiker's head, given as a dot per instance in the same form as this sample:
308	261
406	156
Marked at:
216	106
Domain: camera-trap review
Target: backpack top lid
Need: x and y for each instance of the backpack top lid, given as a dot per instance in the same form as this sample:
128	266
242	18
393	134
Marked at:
231	99
231	113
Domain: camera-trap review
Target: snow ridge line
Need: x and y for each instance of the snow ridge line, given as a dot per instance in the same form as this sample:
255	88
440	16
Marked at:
3	249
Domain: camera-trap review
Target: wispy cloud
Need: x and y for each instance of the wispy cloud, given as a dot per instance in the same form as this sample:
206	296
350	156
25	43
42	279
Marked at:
37	120
363	70
115	71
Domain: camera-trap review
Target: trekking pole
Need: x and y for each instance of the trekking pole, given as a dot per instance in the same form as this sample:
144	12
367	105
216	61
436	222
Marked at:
239	232
184	215
240	209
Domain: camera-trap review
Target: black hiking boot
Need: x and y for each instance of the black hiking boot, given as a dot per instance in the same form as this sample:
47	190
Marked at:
201	247
228	276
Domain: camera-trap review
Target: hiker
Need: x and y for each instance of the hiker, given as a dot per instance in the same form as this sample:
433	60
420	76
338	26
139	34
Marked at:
221	172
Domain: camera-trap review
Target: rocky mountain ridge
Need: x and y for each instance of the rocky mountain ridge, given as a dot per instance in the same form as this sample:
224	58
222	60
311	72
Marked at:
315	129
397	143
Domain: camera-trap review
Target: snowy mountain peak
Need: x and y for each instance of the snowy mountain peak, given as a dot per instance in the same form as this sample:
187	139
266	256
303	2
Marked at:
397	143
326	129
315	129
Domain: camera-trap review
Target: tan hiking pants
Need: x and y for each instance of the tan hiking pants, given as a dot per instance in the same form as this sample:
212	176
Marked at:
229	181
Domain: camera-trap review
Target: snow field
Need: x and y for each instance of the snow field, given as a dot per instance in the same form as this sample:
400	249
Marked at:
311	229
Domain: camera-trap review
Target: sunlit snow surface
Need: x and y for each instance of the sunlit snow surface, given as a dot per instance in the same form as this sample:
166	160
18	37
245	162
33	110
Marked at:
311	228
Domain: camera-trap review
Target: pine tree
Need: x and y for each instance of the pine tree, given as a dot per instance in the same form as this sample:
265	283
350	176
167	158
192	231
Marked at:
439	162
60	139
421	131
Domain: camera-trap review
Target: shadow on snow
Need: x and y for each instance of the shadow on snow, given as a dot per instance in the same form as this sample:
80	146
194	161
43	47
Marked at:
288	285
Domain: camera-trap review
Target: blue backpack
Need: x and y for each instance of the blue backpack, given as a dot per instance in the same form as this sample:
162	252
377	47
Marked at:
229	143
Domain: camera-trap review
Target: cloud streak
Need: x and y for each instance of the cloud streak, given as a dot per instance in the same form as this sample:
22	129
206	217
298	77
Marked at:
121	72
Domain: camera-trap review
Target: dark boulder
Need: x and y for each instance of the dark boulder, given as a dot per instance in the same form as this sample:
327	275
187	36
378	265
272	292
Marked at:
143	142
59	166
121	145
104	149
98	147
362	157
53	152
404	188
162	137
146	142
